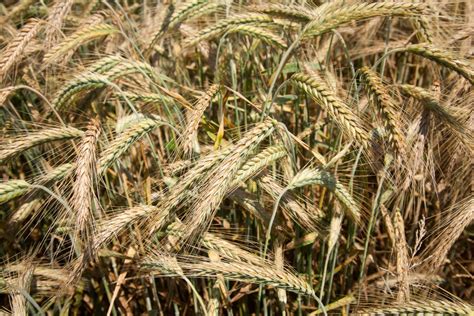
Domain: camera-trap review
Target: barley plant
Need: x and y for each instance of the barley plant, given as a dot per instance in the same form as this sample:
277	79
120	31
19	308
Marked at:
224	157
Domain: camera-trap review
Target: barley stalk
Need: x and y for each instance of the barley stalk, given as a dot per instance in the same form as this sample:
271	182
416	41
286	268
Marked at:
418	307
12	189
336	15
10	148
292	12
107	228
181	192
258	33
233	270
59	12
180	14
194	117
310	176
444	114
121	144
308	220
258	162
111	69
387	109
348	121
78	38
442	57
82	193
222	26
15	49
146	97
402	258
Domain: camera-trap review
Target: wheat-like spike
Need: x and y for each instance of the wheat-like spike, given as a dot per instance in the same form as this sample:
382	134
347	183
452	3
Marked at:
56	18
311	176
9	148
337	15
386	107
259	33
111	70
104	64
212	242
431	103
425	32
12	189
146	97
78	38
127	67
82	83
442	57
232	270
194	117
422	308
18	288
292	12
223	25
308	220
5	93
217	182
121	144
403	264
206	9
107	228
15	48
16	10
258	162
177	167
348	121
82	193
185	11
195	177
450	229
25	210
57	173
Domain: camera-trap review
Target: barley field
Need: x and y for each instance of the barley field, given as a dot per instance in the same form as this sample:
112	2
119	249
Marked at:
224	157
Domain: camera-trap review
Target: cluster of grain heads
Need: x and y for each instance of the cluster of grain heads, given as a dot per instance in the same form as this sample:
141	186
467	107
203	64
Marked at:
221	177
58	13
160	159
